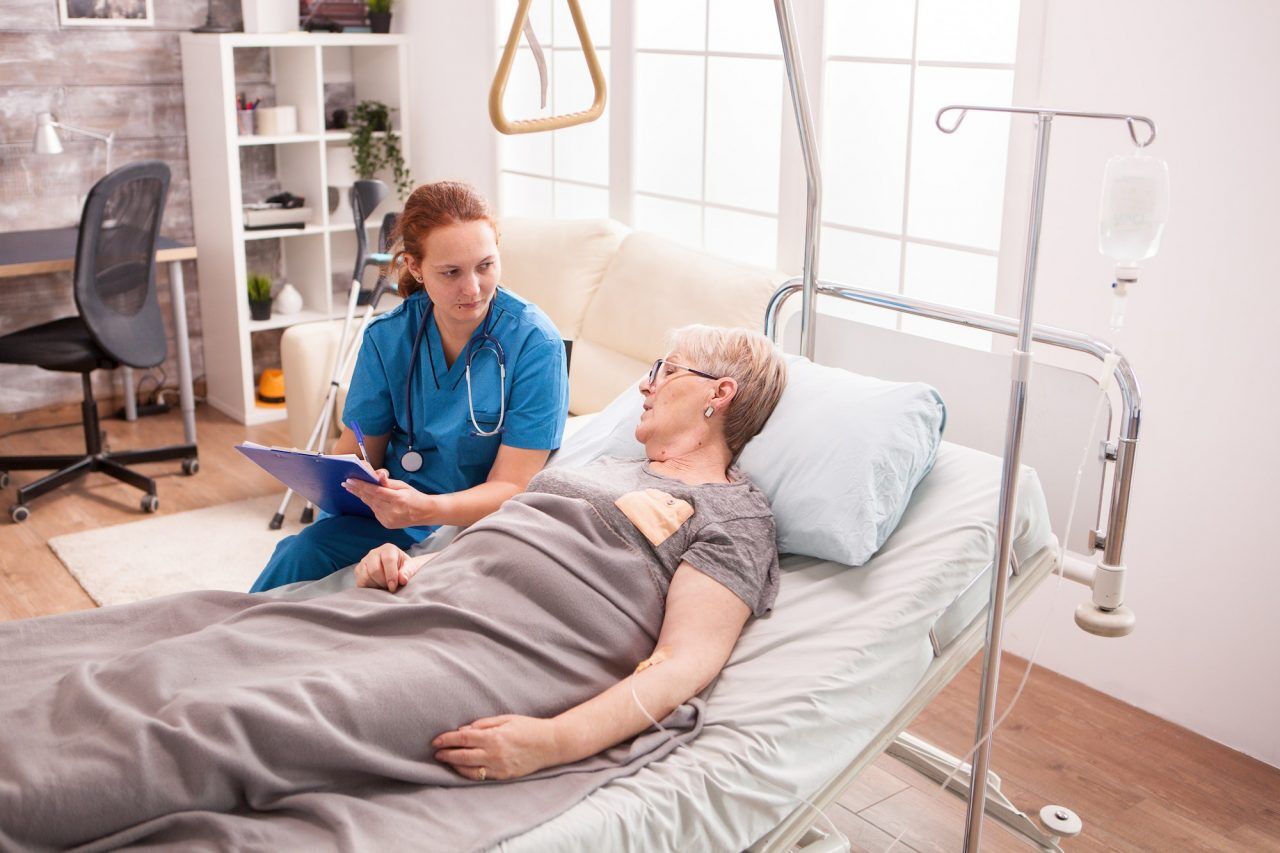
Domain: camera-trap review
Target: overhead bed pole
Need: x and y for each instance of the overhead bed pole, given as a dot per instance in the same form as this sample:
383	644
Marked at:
812	170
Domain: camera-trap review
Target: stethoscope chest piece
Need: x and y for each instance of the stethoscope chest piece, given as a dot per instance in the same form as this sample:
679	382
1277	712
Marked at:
411	461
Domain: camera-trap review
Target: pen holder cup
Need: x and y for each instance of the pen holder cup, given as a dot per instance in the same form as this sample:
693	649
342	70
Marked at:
244	121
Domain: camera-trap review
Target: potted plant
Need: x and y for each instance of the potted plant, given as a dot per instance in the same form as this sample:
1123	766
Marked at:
374	145
259	297
379	15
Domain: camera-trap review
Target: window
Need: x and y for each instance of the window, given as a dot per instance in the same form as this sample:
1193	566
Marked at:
907	208
701	94
565	173
707	125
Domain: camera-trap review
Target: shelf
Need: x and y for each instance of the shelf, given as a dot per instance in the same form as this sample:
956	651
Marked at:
351	226
273	233
388	302
345	135
298	39
281	321
282	139
265	414
370	67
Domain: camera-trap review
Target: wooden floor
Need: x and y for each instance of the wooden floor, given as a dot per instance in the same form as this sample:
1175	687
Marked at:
1138	782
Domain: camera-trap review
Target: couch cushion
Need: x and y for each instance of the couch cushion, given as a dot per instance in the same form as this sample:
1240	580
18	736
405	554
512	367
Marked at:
654	285
557	263
596	375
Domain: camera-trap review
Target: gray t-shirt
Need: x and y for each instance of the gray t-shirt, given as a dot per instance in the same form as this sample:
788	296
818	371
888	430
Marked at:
724	530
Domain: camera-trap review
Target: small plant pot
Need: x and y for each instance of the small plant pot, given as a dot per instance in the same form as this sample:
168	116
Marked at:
380	22
260	310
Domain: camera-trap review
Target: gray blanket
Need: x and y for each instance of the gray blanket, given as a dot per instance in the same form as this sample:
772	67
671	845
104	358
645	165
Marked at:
250	722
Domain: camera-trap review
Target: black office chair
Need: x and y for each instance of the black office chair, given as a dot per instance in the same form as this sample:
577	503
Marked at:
119	324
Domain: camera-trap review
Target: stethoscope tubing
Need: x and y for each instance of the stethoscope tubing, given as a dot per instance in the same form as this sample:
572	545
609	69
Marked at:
484	342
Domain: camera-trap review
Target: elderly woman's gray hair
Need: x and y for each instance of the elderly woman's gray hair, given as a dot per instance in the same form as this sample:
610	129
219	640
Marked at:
745	356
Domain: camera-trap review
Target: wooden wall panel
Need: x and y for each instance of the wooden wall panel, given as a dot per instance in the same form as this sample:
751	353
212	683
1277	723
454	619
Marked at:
28	14
133	111
72	57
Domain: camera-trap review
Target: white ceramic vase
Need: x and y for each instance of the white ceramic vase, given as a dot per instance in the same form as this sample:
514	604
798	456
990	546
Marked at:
288	300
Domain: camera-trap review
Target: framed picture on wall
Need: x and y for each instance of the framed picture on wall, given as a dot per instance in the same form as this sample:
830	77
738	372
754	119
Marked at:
111	13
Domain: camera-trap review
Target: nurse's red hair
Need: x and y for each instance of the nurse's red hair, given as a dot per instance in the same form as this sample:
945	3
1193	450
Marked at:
429	207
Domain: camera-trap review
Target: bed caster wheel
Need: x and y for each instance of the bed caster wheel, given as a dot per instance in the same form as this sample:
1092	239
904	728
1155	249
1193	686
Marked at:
308	515
150	503
4	479
19	513
277	521
191	466
1061	822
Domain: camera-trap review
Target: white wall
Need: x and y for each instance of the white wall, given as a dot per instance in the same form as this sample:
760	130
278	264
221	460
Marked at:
449	75
1204	574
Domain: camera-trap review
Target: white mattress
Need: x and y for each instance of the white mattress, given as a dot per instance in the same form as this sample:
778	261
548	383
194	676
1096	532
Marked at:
811	684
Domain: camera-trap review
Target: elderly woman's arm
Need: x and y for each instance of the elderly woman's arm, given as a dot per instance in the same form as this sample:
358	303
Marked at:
702	623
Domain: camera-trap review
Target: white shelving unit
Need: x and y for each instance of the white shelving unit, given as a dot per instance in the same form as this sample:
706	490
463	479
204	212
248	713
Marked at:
376	67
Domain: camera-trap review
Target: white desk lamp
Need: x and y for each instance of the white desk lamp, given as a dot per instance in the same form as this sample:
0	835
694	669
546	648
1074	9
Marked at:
47	142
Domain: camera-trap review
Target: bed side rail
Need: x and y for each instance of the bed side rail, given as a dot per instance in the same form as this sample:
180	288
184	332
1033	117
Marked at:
1120	453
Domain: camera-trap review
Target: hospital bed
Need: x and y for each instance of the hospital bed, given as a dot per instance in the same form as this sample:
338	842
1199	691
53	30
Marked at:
817	690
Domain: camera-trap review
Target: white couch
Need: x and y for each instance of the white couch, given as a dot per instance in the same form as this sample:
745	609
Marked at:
614	292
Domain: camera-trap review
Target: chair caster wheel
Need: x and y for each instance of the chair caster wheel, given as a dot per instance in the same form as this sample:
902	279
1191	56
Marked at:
19	513
150	503
4	479
191	466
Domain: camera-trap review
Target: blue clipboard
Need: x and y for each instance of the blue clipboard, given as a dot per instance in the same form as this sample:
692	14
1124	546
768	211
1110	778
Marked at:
316	477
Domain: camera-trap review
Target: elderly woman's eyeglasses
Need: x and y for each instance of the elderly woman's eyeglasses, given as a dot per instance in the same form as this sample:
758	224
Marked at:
663	369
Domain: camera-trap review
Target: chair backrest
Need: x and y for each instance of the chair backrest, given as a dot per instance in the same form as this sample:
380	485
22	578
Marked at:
115	275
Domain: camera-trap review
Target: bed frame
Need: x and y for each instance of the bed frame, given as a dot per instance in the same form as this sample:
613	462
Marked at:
973	384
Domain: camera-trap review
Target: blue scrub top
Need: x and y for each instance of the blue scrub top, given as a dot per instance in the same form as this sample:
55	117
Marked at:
453	456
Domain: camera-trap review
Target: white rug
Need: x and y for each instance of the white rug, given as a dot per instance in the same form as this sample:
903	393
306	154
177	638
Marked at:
219	547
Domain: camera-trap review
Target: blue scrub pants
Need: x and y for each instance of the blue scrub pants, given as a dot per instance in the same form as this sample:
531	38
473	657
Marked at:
329	543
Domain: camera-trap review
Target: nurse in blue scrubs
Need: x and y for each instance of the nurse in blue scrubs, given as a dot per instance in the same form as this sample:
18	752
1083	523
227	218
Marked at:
450	448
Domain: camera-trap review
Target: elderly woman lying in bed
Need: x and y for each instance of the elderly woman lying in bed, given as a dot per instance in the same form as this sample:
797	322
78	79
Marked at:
129	721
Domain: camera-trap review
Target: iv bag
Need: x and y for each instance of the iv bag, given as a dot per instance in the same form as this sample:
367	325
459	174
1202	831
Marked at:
1135	207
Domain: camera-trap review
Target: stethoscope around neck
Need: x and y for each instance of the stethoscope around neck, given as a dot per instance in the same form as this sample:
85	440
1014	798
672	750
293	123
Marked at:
411	460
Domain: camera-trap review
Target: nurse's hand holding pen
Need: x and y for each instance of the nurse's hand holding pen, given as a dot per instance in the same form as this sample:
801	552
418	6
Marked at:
395	503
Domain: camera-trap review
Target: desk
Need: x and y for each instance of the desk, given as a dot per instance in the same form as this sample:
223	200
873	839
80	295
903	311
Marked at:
54	250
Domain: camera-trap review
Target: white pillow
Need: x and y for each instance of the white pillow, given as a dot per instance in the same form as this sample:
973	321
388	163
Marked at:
838	460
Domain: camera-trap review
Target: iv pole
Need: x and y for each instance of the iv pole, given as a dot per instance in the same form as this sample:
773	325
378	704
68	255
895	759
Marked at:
1019	383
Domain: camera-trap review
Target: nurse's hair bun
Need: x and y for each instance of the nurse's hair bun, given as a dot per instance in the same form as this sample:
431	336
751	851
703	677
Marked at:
429	207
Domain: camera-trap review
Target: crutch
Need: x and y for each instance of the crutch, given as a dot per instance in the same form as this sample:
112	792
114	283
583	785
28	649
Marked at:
365	197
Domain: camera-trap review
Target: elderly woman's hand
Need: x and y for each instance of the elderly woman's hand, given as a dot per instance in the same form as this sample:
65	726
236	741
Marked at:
395	503
387	567
505	747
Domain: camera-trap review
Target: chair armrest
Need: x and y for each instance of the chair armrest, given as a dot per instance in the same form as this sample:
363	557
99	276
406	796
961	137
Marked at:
306	355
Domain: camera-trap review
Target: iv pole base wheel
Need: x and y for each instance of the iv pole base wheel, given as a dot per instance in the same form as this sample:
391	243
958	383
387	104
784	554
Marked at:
1061	821
1105	623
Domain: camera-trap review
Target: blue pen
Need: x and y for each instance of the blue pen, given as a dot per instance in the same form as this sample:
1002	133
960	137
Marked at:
355	427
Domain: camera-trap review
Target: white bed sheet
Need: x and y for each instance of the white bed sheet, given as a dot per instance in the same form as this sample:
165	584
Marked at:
811	684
